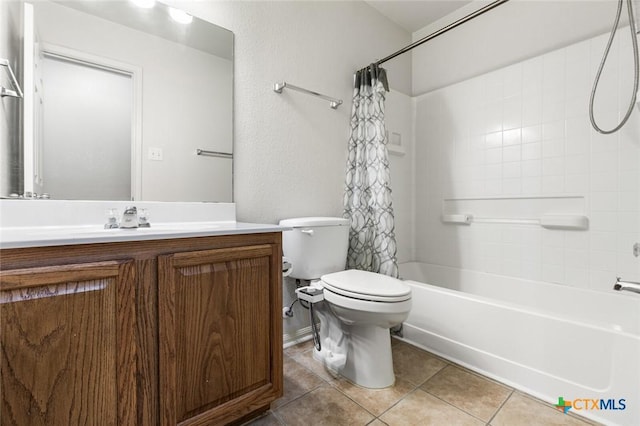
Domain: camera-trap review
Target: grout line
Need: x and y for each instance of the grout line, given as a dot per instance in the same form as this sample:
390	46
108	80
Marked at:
454	406
298	397
501	405
510	389
396	403
278	418
354	401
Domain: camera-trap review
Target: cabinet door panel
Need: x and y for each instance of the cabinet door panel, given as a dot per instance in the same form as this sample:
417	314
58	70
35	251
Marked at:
67	352
215	329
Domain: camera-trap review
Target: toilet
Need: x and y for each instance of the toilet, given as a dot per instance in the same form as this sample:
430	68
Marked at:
359	307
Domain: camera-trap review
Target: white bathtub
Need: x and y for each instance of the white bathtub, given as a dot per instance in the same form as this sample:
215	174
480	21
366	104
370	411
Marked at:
547	340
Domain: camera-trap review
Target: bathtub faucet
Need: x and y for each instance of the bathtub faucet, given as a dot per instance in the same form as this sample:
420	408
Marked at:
626	285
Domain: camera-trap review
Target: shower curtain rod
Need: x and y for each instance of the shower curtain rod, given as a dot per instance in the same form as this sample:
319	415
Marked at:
443	30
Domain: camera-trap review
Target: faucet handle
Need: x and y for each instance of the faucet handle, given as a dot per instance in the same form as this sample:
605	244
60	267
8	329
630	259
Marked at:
143	218
112	219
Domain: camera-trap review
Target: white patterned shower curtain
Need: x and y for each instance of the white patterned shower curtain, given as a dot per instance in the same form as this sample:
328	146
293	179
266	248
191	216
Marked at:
367	198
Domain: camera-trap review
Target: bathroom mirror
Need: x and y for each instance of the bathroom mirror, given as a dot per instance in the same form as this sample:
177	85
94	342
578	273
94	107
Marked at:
127	103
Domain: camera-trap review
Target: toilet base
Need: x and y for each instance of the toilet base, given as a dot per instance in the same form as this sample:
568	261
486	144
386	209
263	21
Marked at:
369	360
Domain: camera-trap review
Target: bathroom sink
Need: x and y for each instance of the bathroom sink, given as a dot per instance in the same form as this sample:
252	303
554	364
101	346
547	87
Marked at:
99	230
171	227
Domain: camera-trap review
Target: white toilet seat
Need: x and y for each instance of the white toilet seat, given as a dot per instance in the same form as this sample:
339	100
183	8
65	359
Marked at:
359	304
366	286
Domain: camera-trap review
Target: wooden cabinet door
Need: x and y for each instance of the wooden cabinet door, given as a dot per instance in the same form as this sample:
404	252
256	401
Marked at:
68	353
220	333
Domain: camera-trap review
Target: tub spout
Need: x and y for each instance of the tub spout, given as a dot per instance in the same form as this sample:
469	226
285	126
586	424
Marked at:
626	285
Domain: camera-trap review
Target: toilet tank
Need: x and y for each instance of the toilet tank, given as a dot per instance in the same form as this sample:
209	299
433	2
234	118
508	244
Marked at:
316	245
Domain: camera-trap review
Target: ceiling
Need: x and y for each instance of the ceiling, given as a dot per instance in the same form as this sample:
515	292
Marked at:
413	15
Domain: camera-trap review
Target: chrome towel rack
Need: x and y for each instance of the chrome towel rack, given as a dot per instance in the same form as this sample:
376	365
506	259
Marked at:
333	103
17	92
213	153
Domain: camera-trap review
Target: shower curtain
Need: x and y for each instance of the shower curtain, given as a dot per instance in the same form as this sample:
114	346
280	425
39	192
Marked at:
367	198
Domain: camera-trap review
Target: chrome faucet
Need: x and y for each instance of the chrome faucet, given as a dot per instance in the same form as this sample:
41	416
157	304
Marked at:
132	218
129	218
626	285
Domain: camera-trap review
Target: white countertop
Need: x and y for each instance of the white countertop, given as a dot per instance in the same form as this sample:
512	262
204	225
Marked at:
43	236
40	223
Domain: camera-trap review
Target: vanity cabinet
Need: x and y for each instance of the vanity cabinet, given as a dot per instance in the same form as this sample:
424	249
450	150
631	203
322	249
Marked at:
183	331
68	352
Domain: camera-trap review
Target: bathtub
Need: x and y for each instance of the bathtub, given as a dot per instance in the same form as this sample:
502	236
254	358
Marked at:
547	340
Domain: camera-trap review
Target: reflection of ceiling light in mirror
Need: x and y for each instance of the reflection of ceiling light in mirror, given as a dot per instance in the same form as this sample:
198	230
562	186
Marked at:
180	16
145	4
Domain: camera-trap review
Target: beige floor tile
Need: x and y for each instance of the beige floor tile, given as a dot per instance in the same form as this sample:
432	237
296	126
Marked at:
299	348
523	410
325	406
298	380
377	422
376	401
413	364
420	408
470	392
306	359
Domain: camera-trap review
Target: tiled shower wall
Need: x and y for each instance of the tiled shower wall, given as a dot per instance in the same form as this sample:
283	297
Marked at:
524	130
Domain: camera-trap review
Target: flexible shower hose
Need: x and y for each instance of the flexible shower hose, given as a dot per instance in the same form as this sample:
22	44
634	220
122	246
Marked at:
634	41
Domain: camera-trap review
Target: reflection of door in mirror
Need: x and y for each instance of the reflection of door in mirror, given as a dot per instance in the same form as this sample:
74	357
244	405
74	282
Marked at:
87	122
184	105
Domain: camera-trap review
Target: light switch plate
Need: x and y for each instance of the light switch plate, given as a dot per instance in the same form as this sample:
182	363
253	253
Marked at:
155	154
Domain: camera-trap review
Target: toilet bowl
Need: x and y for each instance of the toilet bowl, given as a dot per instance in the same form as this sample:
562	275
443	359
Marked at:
365	317
358	308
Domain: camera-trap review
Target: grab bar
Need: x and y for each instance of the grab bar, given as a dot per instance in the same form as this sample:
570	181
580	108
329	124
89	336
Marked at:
627	285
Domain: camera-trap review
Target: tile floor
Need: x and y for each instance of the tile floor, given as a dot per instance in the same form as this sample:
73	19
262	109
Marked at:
428	391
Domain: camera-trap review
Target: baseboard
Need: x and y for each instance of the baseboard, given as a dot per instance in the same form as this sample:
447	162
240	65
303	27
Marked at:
299	336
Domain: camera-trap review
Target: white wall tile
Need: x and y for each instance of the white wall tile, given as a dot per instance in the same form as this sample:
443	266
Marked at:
527	132
576	184
511	153
493	155
553	148
532	185
512	186
531	151
576	164
607	181
604	201
553	273
512	170
553	184
531	168
553	166
532	110
531	134
511	137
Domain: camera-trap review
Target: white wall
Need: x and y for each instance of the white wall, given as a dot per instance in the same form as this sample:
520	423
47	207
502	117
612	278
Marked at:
180	113
524	130
291	148
10	108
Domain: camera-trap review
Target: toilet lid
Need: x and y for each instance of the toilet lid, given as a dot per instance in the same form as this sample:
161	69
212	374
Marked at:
367	286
